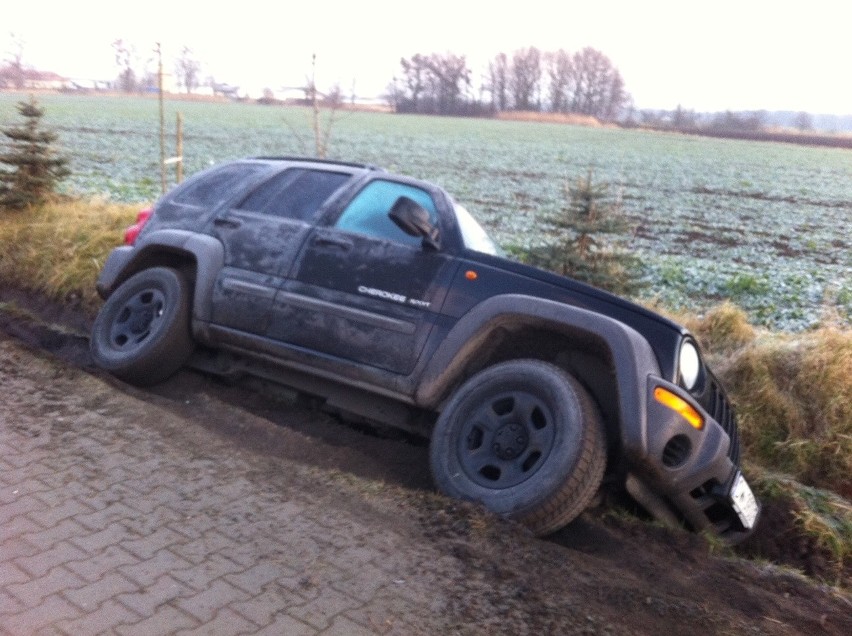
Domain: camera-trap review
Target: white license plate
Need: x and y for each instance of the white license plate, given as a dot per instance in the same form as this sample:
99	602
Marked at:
744	502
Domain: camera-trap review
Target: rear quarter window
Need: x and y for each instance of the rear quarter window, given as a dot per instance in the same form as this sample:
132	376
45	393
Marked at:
215	185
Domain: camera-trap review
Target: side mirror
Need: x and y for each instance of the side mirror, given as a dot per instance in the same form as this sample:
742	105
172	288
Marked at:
413	219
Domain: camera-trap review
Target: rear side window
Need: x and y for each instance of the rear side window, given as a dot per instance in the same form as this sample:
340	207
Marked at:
296	193
211	187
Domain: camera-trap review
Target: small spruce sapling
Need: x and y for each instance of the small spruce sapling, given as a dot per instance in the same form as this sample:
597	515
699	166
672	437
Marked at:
587	229
33	167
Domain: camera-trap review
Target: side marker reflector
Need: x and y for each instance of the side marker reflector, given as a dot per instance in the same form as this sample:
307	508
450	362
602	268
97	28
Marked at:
471	275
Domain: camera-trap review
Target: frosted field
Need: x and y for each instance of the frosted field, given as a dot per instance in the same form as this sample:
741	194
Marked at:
766	225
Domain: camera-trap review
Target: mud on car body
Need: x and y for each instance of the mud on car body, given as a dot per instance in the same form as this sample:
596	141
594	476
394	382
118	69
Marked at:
383	296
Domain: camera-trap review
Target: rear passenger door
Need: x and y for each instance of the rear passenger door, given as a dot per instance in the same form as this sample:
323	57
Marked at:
262	234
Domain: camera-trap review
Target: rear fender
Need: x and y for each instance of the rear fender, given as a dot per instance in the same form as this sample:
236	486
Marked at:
156	248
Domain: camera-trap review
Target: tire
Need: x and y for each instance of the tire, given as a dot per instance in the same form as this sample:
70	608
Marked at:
141	334
526	440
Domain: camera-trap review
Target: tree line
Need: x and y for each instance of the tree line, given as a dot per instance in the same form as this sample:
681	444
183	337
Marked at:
585	82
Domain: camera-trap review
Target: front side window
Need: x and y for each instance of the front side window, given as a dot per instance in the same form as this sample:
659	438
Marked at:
295	194
368	211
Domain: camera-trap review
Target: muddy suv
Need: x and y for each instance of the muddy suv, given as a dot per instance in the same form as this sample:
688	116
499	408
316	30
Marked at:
383	296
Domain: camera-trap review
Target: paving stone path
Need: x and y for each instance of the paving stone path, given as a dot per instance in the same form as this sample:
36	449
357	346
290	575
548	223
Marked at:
117	516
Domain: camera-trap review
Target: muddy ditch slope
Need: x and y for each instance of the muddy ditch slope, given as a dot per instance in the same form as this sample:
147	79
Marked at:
606	573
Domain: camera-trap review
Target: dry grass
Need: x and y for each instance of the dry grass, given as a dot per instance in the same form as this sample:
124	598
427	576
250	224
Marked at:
793	395
59	249
821	515
550	118
792	392
724	329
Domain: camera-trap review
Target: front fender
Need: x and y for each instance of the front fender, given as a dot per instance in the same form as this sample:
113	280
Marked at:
631	356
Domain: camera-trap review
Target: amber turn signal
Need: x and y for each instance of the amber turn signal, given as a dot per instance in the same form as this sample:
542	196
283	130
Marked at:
680	406
471	275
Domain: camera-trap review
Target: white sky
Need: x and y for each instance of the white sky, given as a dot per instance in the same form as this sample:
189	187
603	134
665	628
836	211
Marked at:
712	55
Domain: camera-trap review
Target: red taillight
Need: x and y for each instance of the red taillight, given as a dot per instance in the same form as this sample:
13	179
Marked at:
132	232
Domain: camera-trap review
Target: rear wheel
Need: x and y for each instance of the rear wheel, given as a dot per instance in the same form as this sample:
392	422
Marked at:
526	440
142	334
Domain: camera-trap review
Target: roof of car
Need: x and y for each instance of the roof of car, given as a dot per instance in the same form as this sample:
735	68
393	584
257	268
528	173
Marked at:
314	160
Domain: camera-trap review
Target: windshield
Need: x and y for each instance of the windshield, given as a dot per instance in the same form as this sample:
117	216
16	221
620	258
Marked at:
475	238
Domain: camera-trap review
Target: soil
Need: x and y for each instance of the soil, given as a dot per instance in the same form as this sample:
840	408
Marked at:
608	572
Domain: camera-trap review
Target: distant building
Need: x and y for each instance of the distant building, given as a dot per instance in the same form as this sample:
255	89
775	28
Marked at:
44	80
84	84
226	90
30	79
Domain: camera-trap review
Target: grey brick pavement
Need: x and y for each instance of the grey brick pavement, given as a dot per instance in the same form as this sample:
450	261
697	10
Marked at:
117	516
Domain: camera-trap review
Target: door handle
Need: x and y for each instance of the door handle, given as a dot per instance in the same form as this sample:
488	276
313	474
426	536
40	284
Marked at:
226	222
333	241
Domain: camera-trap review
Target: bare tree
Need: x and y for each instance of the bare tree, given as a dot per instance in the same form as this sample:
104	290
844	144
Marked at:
451	78
13	67
415	72
498	82
333	100
525	78
804	121
561	76
615	99
599	88
436	83
683	119
187	69
394	94
125	59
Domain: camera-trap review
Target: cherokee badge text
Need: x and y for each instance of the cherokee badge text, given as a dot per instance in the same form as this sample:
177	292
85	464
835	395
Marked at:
386	295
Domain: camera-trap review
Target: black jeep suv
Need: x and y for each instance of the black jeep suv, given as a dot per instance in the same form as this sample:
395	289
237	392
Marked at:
382	295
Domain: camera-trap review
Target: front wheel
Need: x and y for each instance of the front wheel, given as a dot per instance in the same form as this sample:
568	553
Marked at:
526	440
142	334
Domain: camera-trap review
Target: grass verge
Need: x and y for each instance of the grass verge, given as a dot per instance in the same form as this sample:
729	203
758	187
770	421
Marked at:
792	392
58	249
793	396
806	527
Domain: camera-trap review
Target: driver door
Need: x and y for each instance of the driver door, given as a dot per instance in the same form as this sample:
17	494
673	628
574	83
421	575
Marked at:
363	290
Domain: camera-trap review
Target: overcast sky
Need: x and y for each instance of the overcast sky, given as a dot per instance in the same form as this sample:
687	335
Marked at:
708	56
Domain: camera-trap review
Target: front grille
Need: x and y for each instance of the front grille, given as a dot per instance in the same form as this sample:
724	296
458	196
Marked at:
716	403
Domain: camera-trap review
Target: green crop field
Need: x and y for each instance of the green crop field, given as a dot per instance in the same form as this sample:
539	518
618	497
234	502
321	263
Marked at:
766	225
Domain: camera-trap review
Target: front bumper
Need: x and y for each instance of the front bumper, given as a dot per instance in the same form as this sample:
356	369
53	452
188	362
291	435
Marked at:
695	473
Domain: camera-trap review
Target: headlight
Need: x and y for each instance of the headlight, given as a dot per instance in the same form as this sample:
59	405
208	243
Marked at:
690	365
